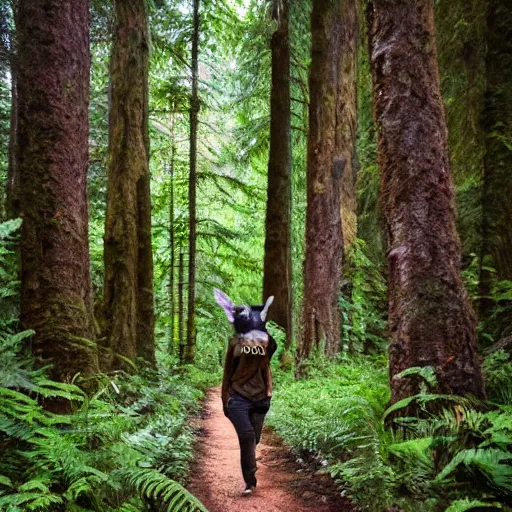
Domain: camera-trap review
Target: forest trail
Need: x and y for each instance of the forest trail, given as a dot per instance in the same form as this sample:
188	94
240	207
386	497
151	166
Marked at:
282	485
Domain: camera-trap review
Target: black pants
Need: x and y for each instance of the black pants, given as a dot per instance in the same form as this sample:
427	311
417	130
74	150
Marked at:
247	418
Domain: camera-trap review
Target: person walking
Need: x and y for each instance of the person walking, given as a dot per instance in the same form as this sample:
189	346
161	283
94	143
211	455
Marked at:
247	379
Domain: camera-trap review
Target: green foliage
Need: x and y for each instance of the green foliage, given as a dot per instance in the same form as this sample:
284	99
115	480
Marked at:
461	48
124	448
457	457
155	486
363	302
331	409
9	287
498	325
497	370
463	505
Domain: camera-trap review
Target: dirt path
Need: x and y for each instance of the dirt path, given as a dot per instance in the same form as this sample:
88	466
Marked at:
282	485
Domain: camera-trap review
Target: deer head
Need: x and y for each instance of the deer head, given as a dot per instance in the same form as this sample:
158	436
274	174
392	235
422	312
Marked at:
244	318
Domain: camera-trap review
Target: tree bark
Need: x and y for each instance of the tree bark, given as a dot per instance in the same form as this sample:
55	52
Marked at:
190	349
346	133
431	321
12	190
330	150
53	96
497	124
172	308
277	267
12	206
181	308
128	286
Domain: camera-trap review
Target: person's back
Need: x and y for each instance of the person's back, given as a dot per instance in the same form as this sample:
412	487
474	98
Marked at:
247	380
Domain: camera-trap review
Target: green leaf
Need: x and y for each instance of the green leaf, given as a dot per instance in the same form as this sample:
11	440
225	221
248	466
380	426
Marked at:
466	504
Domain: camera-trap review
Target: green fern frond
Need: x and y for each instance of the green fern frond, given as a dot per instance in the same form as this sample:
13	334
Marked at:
31	500
492	463
152	484
424	398
4	481
8	228
464	505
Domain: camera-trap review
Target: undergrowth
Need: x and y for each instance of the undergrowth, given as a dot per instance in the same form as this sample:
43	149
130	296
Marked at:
459	459
125	449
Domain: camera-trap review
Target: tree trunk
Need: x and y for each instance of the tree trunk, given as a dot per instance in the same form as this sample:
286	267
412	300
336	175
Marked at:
53	97
277	267
431	321
12	192
181	308
330	149
190	349
145	299
497	123
128	287
171	242
12	206
346	133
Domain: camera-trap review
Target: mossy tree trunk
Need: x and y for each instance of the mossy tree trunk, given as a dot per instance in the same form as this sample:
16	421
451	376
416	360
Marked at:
347	113
128	288
431	321
497	124
53	97
277	267
327	160
190	349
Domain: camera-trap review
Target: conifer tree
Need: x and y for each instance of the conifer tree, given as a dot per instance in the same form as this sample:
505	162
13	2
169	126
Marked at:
53	97
431	321
277	270
128	286
330	149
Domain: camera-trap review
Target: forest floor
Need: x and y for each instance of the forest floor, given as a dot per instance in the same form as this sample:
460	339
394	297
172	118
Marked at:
283	485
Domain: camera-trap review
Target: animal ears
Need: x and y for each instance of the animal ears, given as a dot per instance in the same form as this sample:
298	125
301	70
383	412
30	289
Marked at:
264	311
225	303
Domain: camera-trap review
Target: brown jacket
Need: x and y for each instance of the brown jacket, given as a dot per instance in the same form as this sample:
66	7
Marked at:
247	366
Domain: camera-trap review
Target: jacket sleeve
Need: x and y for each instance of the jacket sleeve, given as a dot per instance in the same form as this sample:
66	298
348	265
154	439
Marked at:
228	371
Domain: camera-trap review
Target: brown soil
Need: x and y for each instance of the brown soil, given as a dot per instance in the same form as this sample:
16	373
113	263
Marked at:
283	485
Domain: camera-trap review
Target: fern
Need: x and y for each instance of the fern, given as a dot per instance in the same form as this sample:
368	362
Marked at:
155	486
9	286
81	462
492	464
463	505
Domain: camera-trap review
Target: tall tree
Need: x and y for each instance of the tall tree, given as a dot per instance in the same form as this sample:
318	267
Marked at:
330	149
431	321
497	124
348	125
190	349
8	59
277	268
128	288
172	302
12	199
53	95
181	306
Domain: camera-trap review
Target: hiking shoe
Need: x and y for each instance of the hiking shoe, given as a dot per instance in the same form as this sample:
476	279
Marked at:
248	491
